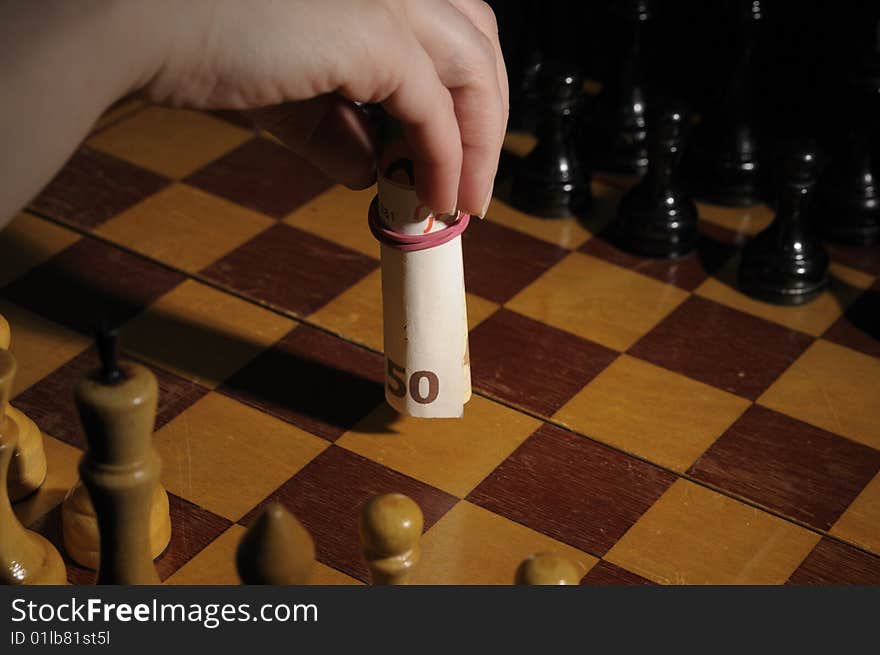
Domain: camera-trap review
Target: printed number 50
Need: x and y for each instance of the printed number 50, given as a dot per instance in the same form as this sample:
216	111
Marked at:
398	386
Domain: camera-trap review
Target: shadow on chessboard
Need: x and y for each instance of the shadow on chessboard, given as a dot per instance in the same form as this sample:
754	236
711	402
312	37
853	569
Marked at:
602	207
299	378
718	251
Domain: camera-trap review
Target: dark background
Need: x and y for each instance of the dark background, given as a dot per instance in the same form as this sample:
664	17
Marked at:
806	51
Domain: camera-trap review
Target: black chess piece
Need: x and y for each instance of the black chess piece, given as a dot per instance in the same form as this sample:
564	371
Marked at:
722	165
847	204
550	181
614	136
521	32
846	208
525	101
657	218
786	264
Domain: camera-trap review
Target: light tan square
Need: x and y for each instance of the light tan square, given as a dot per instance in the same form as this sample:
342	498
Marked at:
844	286
565	232
693	535
598	301
327	575
519	144
651	412
203	334
227	456
29	241
117	112
860	523
356	314
339	215
478	309
453	455
473	546
62	472
834	388
215	565
171	142
39	346
746	221
184	227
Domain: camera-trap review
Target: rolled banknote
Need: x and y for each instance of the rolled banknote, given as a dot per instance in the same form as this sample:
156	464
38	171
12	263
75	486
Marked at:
427	370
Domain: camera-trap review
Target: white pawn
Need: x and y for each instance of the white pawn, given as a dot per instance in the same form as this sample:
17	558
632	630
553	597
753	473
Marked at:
275	550
391	527
27	471
547	569
25	556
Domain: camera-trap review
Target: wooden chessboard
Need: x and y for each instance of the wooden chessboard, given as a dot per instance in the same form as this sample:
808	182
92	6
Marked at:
642	418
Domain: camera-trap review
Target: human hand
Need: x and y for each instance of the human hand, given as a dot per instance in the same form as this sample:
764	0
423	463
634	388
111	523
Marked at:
435	65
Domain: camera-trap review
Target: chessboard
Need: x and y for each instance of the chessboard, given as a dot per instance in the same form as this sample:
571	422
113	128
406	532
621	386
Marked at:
642	418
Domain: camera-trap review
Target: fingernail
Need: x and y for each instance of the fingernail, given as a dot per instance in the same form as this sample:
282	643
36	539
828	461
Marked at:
485	208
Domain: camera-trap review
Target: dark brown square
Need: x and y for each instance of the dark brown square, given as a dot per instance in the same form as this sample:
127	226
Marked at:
93	187
290	269
619	181
311	379
859	327
608	574
262	175
327	496
713	250
788	466
835	563
91	281
49	402
572	489
192	529
237	118
500	262
863	258
531	364
721	346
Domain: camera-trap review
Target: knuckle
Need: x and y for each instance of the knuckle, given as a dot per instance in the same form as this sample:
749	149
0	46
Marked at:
475	62
488	21
374	72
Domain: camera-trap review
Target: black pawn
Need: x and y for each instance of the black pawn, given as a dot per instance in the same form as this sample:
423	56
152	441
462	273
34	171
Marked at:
657	218
847	206
522	37
524	101
614	136
550	181
723	165
786	263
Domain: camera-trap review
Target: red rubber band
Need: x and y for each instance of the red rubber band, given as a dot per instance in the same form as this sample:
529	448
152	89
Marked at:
413	242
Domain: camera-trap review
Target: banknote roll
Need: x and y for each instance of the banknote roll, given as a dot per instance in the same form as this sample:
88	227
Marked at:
427	370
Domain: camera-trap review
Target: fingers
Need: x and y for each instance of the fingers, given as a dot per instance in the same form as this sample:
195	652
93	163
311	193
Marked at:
328	131
424	106
436	66
467	63
483	18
